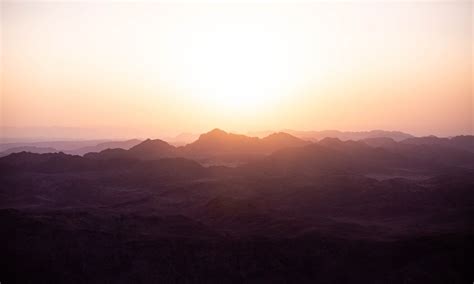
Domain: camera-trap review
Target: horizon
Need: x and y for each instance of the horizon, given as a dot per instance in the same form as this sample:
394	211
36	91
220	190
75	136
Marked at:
189	137
125	70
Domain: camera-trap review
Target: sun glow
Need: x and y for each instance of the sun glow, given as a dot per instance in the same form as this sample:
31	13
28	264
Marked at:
165	67
239	68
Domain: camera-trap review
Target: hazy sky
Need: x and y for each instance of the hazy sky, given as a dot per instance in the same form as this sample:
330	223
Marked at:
168	68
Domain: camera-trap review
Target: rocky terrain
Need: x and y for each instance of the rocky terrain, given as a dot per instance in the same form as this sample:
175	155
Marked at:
287	211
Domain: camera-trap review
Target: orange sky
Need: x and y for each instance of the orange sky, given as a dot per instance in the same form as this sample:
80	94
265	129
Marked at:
168	68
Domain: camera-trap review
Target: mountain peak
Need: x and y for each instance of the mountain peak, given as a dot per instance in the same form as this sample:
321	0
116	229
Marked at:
327	141
280	135
150	142
216	133
152	146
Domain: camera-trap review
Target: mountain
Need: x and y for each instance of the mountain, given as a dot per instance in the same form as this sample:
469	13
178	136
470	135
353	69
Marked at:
64	163
370	211
316	159
106	145
146	150
349	135
281	140
216	147
379	142
46	163
152	149
464	142
31	149
63	146
219	141
70	147
337	156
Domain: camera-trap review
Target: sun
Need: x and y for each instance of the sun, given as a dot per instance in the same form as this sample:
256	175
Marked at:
238	69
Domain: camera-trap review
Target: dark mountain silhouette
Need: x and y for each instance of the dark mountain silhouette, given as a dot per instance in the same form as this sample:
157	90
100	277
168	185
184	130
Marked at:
216	146
50	162
152	149
69	147
63	146
465	142
146	150
108	154
334	155
219	141
281	140
348	135
379	142
368	211
32	149
106	145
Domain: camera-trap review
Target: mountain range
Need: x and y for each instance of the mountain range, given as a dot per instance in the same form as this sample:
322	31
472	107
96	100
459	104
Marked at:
69	147
216	146
342	135
183	140
286	210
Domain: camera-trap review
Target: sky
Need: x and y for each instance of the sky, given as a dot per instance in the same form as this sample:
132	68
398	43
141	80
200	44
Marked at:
150	69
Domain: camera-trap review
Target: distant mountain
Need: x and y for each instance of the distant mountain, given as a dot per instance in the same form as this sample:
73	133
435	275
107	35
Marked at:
69	147
282	152
146	150
219	141
46	163
335	155
331	155
153	149
465	142
108	154
379	142
349	135
31	149
281	140
63	146
106	145
214	147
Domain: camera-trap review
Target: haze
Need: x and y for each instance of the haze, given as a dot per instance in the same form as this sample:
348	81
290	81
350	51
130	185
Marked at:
160	68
